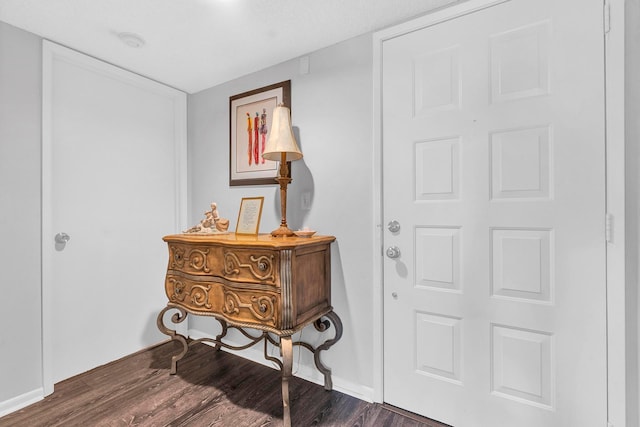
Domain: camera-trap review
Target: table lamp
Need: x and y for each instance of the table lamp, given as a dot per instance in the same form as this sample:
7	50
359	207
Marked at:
282	147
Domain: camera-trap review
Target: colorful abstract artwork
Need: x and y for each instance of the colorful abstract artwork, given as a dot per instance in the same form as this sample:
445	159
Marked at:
250	122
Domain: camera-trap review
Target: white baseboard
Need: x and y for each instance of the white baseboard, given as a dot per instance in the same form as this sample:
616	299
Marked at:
19	402
306	371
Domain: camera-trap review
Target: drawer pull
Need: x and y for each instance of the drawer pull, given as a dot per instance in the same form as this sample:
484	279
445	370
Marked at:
261	267
178	257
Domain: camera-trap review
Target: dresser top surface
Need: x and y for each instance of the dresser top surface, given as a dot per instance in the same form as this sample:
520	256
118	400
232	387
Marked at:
233	239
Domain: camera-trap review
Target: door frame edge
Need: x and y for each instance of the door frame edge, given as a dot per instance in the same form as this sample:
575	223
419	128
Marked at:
615	176
46	218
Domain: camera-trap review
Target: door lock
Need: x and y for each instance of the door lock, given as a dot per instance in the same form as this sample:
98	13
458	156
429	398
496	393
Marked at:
62	238
393	252
393	226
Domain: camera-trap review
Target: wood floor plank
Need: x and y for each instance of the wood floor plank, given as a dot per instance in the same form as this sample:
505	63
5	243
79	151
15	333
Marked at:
211	389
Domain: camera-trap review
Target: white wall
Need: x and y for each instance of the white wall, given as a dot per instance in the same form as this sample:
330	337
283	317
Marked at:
331	112
20	93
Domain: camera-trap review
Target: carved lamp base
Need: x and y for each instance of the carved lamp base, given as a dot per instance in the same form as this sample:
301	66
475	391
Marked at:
282	231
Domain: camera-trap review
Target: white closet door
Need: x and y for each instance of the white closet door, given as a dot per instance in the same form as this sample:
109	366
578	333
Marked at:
114	176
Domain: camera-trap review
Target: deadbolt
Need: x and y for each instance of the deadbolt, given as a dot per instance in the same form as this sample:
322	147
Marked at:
393	226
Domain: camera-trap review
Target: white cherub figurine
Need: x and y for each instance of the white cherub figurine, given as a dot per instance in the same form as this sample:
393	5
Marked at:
212	223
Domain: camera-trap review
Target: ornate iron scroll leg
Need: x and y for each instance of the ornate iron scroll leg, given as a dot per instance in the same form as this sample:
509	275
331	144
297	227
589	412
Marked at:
323	326
286	347
223	334
176	318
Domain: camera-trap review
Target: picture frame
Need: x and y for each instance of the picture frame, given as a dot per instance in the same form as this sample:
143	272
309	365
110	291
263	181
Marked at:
249	216
250	116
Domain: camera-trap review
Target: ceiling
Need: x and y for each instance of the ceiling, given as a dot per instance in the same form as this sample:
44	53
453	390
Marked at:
196	44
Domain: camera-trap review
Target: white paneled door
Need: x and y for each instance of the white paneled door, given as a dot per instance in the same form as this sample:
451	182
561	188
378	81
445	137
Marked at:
114	149
493	168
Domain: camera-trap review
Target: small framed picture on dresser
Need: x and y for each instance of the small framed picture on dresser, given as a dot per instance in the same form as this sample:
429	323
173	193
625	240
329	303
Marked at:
249	215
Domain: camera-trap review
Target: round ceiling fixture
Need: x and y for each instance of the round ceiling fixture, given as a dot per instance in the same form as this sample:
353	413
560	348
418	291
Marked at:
131	39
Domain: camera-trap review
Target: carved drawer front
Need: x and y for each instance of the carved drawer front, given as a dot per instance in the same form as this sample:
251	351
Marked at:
199	296
236	264
245	265
250	306
193	260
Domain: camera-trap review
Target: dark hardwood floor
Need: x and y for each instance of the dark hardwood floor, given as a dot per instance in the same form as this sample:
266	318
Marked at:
211	388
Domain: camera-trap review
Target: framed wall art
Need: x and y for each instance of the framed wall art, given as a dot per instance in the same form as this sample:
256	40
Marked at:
249	215
250	115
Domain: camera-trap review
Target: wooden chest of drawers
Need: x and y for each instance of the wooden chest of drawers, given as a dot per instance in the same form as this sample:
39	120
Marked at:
260	281
275	285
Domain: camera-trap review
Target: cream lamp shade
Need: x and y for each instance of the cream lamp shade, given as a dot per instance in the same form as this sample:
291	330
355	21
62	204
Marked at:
281	139
282	147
